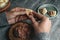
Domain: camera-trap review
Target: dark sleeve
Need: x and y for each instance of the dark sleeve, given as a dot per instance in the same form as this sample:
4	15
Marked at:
3	19
42	36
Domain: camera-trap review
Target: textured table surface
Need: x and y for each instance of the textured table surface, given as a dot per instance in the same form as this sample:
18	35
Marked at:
31	4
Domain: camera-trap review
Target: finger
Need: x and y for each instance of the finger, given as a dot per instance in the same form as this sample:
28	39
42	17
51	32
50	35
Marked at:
18	9
11	21
14	14
15	9
18	13
33	19
39	16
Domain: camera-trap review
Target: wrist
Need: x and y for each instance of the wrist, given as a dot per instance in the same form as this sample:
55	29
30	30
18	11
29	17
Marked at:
43	36
41	31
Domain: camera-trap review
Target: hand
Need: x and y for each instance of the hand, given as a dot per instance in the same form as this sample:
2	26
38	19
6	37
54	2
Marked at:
12	17
43	26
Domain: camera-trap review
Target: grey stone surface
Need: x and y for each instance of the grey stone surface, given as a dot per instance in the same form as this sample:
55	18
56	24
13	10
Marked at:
31	4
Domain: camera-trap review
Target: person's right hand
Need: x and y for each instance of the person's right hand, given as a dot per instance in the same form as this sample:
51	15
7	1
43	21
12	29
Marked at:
43	26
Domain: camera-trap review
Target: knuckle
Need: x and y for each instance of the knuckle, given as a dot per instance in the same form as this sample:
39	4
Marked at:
46	18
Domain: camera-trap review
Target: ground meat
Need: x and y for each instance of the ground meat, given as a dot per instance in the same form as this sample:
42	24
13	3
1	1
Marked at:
21	17
22	31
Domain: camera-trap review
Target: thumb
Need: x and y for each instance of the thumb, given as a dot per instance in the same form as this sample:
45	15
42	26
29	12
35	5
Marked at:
33	19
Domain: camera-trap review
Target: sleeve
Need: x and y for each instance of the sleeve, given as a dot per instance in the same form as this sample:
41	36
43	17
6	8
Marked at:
3	19
42	36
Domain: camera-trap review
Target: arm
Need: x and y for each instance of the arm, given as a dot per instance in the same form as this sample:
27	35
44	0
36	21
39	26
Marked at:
42	36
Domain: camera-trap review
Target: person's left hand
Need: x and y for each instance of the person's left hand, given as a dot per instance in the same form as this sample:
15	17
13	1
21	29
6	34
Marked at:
12	17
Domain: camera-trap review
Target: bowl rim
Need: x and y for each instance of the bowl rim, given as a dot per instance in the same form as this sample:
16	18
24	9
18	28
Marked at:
45	5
